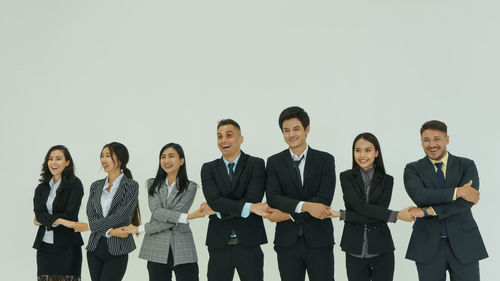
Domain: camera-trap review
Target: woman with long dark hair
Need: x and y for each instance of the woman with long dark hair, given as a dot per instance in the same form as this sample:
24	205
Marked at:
56	205
168	243
112	205
367	192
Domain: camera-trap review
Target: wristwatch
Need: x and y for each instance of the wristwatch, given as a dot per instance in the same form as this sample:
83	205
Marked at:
426	214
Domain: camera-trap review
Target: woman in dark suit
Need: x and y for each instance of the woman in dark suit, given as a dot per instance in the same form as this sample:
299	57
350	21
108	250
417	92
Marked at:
56	204
367	192
111	206
168	243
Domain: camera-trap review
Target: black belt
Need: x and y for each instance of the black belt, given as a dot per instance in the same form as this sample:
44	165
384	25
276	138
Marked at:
233	241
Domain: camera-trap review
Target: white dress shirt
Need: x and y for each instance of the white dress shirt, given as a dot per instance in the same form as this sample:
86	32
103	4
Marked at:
48	237
107	197
302	165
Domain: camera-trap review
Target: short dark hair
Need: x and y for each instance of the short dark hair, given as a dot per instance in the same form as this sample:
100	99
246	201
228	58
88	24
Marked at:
224	122
434	125
294	112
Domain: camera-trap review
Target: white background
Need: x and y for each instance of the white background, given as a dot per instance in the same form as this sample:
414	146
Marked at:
145	73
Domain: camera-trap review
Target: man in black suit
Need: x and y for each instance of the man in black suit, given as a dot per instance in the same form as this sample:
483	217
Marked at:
233	186
300	183
445	236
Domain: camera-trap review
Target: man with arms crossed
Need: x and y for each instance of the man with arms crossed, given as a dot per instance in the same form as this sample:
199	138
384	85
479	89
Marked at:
444	187
300	183
233	186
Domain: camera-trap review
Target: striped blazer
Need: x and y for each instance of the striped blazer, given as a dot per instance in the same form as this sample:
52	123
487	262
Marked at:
120	214
163	232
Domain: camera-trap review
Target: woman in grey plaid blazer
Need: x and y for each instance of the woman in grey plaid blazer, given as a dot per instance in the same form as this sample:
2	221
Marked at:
111	206
168	243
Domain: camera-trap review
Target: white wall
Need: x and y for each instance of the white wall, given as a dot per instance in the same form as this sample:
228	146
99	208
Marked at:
84	73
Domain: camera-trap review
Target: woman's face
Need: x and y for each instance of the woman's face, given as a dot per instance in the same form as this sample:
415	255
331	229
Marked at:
109	162
364	154
57	163
170	161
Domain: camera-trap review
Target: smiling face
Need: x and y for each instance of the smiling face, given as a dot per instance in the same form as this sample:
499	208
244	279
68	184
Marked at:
295	135
434	143
57	163
109	162
229	140
364	154
170	161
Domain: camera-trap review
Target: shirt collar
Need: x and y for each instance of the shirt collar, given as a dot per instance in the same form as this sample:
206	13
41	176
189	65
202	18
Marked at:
116	182
298	157
56	185
444	160
235	161
171	185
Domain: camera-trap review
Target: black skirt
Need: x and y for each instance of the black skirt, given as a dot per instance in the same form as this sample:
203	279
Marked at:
59	260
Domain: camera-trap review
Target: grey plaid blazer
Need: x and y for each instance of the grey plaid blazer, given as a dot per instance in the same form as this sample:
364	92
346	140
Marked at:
120	214
163	232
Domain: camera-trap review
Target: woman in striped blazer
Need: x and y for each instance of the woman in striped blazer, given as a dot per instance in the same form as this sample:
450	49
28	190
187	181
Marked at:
168	244
112	204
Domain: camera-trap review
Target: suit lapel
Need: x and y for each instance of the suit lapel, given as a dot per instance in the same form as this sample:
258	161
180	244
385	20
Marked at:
239	168
429	172
287	159
358	179
120	192
97	198
222	170
451	170
173	195
310	160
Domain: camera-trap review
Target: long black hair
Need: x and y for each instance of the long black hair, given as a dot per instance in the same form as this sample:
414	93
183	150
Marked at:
161	175
121	153
379	162
67	174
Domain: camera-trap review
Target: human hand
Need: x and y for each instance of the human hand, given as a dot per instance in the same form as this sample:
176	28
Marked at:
131	229
405	215
334	214
37	223
206	209
468	193
277	215
317	210
80	227
416	212
119	232
261	209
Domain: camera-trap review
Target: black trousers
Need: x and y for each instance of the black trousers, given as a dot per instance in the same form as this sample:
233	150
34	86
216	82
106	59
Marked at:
103	266
294	261
379	268
163	272
444	261
248	261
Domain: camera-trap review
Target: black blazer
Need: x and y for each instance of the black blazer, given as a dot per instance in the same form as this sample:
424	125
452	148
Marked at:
120	214
284	192
65	207
422	186
374	214
229	198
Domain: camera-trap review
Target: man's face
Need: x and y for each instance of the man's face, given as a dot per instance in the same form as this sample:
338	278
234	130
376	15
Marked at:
229	140
434	143
294	133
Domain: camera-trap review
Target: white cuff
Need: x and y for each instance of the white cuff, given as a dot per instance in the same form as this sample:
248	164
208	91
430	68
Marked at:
141	229
183	219
107	233
298	209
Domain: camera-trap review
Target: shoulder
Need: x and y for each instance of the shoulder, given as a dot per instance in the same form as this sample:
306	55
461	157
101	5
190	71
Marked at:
416	164
192	185
75	182
41	187
149	182
347	173
209	164
460	159
278	155
253	159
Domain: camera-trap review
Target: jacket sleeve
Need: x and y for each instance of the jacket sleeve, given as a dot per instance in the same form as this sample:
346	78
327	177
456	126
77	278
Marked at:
102	224
171	215
274	195
420	194
327	188
359	205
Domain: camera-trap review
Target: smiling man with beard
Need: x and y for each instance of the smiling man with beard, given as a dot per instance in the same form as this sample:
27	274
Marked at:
445	236
234	186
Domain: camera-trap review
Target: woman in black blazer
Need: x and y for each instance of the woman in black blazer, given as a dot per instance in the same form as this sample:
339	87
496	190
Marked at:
56	204
111	206
367	192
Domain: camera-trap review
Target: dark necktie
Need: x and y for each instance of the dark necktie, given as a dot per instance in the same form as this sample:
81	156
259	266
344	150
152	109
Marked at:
441	180
296	164
231	171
